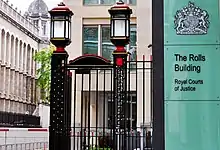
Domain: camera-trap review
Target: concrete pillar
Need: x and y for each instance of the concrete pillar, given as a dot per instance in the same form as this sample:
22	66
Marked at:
7	82
20	56
8	59
24	87
4	49
17	83
17	54
25	59
0	47
30	61
13	58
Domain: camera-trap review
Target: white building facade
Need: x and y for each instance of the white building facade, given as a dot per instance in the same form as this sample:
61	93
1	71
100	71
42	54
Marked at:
20	40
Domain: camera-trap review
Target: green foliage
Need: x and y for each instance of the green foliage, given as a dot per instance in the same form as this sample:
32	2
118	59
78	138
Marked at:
43	59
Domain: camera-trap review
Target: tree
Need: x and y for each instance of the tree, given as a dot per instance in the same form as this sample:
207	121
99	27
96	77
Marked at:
43	59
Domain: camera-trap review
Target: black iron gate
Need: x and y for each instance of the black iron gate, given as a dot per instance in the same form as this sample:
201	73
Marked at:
111	104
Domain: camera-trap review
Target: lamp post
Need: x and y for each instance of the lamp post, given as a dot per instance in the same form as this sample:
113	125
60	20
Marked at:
120	37
60	36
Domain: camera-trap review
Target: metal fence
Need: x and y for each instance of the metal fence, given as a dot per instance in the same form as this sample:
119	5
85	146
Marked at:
103	139
88	139
23	139
9	119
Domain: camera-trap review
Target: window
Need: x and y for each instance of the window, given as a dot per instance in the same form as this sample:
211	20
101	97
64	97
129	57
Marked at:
107	2
97	41
106	45
90	40
35	22
43	24
130	109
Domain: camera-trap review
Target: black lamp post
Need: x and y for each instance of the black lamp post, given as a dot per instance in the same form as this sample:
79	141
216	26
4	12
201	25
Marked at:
60	36
120	37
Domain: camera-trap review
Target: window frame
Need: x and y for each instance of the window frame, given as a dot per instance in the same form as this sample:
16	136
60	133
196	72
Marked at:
100	26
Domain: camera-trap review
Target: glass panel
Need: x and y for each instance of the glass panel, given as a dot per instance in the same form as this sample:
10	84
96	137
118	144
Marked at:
127	28
59	17
108	1
132	48
112	28
90	44
120	16
58	29
107	46
67	30
133	2
87	2
119	28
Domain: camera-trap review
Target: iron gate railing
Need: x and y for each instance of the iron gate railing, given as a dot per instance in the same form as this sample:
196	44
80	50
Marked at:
93	106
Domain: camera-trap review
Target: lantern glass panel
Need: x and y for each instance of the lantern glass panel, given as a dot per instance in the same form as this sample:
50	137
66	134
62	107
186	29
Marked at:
69	29
59	27
127	28
119	16
121	28
112	28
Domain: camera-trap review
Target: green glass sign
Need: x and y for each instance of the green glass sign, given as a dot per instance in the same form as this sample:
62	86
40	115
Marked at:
198	20
192	125
192	74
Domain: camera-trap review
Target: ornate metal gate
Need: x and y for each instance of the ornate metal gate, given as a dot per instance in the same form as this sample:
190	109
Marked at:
111	103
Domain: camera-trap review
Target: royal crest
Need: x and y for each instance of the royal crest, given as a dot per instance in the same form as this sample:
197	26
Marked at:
191	20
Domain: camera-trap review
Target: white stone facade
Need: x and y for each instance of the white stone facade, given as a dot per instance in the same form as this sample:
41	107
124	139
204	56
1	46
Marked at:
19	41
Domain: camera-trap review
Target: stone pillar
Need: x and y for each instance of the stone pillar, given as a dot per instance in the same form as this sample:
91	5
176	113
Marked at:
12	73
16	69
1	47
3	96
7	82
4	79
8	59
1	79
4	49
34	65
24	87
20	85
14	54
25	73
31	62
25	58
21	72
20	56
12	83
17	83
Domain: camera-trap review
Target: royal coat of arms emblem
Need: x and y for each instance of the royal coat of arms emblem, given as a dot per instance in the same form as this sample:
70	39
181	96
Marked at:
191	20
